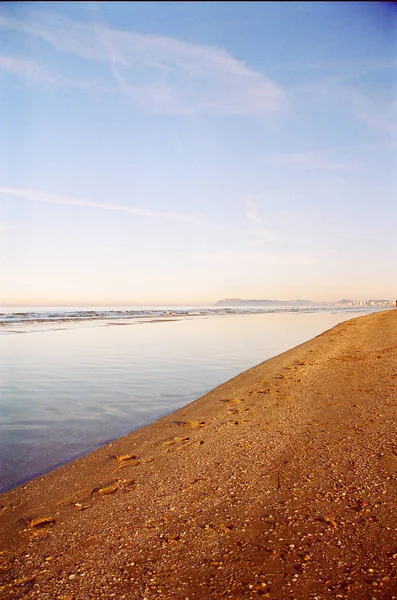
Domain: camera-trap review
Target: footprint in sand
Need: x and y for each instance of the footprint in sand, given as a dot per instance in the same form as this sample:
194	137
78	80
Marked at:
233	400
181	446
232	422
125	485
178	444
195	424
81	506
124	457
269	390
41	522
191	424
108	489
131	460
175	440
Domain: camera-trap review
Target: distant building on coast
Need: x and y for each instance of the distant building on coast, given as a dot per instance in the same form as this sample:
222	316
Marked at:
345	302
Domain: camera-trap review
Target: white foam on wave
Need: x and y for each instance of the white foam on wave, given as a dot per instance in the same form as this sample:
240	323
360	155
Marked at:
31	321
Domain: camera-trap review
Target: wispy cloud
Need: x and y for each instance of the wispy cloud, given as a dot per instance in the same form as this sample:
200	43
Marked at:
21	66
259	234
372	104
345	71
6	227
249	259
33	70
318	159
252	211
44	197
377	112
163	74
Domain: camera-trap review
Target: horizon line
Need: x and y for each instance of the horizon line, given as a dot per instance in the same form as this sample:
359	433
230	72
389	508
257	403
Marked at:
178	304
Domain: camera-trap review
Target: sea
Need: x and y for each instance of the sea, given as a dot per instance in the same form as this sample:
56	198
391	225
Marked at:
73	379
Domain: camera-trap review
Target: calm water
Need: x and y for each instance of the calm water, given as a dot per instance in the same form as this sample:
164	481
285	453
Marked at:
68	387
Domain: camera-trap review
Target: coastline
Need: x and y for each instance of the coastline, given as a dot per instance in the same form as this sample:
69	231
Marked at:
278	483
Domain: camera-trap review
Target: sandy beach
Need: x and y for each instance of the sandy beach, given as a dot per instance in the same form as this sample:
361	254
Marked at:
280	483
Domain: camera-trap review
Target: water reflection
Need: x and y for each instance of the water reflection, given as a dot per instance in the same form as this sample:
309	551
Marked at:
64	393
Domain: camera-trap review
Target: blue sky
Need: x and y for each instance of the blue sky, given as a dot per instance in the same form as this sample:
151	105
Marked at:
178	153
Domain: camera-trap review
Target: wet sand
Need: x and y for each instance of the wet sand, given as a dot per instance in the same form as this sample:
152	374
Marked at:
280	483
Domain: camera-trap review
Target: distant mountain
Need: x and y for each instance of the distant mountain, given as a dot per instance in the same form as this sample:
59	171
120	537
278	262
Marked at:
252	302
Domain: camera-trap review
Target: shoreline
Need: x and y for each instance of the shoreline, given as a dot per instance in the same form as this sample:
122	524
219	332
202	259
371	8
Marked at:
64	414
68	317
245	492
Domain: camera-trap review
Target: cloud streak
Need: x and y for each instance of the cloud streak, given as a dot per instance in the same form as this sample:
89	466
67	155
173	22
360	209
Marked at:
378	113
163	74
373	105
260	259
45	198
34	71
252	211
21	66
312	160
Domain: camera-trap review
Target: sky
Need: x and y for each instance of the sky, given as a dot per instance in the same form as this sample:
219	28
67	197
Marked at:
174	153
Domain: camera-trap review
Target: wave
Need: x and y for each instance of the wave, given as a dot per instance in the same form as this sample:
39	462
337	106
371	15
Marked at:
11	319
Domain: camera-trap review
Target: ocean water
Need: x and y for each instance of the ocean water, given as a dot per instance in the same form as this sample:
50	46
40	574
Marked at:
72	380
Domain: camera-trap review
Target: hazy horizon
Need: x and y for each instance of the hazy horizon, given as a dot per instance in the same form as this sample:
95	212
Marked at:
187	305
165	154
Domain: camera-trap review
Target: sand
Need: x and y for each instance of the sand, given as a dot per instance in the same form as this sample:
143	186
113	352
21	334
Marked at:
280	483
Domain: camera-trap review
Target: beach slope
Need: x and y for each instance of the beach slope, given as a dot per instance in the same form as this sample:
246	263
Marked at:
280	483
